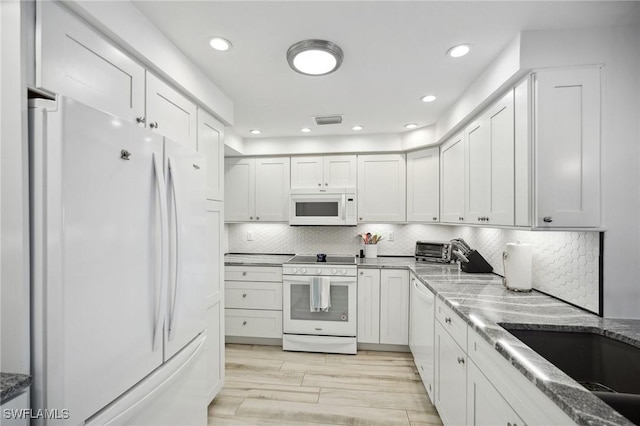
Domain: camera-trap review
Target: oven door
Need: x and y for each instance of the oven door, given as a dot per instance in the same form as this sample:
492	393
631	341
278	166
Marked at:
317	209
340	320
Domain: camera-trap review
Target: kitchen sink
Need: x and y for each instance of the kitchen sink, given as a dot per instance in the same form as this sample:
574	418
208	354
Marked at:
607	367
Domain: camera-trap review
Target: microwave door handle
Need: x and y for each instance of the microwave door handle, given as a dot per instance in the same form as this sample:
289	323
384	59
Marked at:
344	207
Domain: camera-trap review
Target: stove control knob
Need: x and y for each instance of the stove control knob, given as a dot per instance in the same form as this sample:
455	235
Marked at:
295	270
334	271
304	270
344	271
319	271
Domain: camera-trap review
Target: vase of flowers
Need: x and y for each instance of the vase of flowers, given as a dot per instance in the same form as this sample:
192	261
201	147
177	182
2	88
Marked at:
370	244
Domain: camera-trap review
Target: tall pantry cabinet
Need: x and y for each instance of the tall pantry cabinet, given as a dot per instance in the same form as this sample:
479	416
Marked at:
74	59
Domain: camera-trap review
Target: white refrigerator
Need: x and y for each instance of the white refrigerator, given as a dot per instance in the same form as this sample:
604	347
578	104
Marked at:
118	271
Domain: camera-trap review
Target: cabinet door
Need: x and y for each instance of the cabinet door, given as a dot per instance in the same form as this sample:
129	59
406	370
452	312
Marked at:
478	168
169	113
485	406
452	175
306	172
340	171
394	307
272	189
239	180
451	395
423	185
500	121
381	188
567	148
369	306
211	145
76	61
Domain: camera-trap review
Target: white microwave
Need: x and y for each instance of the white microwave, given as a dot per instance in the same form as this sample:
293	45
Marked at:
328	207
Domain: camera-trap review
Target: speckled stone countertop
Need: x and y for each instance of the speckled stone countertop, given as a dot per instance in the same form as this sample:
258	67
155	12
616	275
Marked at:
484	298
12	384
256	259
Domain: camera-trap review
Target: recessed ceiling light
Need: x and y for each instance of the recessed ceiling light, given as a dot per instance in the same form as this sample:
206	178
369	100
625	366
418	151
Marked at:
314	57
305	130
411	125
219	43
428	98
356	128
459	50
255	131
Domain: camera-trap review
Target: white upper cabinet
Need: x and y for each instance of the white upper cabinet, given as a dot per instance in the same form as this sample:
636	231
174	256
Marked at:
423	185
74	60
272	189
452	178
257	188
169	113
318	172
381	188
566	129
211	144
489	148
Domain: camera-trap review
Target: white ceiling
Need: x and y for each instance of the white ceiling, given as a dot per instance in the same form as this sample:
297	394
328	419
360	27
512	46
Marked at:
394	53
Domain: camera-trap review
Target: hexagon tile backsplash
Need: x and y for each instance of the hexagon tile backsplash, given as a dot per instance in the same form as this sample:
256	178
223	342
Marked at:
565	264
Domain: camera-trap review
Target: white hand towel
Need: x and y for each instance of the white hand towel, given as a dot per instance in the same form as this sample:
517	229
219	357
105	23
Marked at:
319	294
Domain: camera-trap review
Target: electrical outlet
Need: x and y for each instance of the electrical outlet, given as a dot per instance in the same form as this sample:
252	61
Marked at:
249	236
391	235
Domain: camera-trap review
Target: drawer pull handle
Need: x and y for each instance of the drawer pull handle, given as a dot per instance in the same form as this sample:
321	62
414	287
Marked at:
447	320
244	294
244	323
461	360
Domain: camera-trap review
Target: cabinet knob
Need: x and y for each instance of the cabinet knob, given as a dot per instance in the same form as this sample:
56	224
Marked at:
251	217
244	323
319	184
244	273
140	119
154	125
326	184
447	320
461	218
360	219
547	219
244	294
479	219
460	360
361	273
434	218
257	218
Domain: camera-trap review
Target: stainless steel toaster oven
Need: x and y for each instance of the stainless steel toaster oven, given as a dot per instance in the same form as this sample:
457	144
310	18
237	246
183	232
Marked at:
433	251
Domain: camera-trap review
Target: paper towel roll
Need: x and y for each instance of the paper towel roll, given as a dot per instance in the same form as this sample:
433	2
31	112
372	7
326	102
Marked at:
517	266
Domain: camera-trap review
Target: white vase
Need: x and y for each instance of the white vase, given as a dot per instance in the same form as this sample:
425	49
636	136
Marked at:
371	251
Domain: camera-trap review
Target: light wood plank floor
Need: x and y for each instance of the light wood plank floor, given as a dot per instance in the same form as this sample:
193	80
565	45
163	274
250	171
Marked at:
266	386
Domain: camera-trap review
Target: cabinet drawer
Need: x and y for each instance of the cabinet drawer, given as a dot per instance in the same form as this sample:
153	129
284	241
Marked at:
253	273
253	295
453	323
250	323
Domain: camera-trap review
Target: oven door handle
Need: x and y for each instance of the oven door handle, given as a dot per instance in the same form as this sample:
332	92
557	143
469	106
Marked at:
307	280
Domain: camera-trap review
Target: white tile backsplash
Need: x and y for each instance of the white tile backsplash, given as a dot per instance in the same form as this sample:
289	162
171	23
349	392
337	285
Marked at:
565	264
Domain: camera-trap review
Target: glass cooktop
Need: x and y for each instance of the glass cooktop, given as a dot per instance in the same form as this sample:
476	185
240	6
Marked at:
332	260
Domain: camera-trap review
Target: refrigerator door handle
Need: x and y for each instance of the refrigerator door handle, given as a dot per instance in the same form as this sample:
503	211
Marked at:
162	288
176	279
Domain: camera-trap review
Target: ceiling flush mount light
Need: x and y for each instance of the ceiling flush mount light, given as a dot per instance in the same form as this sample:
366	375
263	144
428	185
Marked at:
314	57
357	128
255	132
428	98
219	43
411	125
305	130
459	50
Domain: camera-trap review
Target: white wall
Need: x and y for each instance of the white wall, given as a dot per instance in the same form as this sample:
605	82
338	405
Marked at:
14	246
418	138
617	49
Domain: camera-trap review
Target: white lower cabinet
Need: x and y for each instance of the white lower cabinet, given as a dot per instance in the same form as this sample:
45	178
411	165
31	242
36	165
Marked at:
383	306
253	301
451	377
485	406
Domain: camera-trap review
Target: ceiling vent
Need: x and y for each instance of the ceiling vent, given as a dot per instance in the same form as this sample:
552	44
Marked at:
328	119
